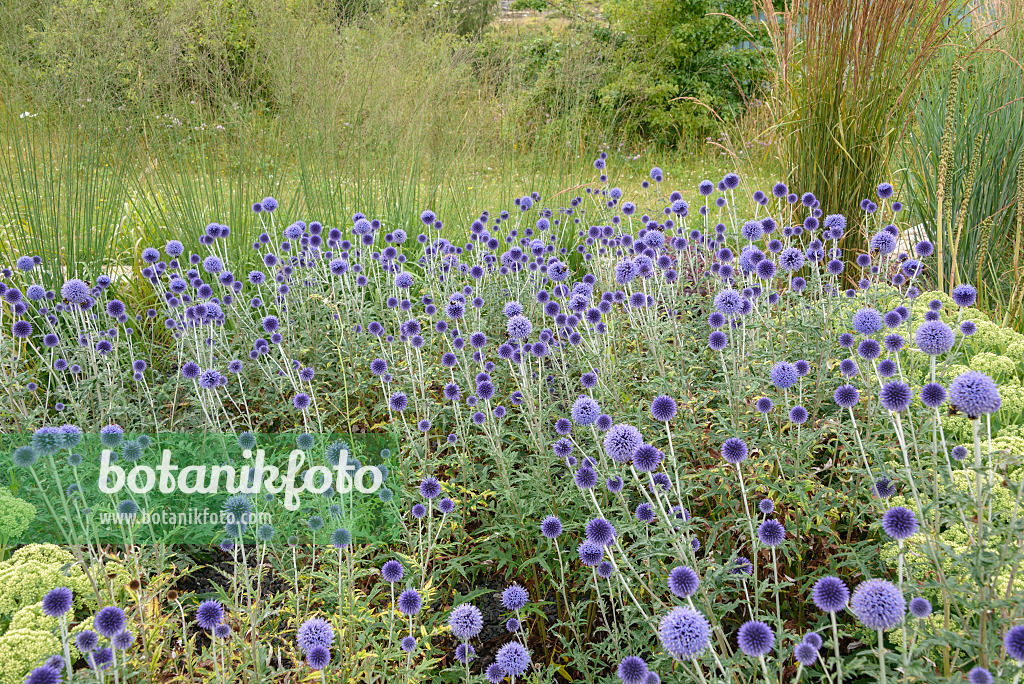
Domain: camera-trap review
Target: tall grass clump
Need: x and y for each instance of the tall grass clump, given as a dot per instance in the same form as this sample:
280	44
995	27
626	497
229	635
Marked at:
845	77
965	159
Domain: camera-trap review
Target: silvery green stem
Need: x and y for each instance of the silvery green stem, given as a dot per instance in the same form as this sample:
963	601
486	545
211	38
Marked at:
881	657
835	641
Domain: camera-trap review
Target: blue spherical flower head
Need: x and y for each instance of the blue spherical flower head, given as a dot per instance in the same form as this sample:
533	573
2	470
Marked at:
392	571
934	338
109	621
430	488
975	394
766	506
632	670
755	638
683	581
409	602
209	614
318	657
647	458
867	321
585	410
805	654
830	594
920	607
878	604
684	633
814	639
933	395
408	644
728	302
895	396
734	450
585	478
783	375
764	405
663	408
599	531
644	512
899	523
57	602
964	296
44	675
718	340
621	442
798	415
979	675
551	527
590	554
846	396
465	621
513	658
1014	643
514	597
884	487
771	532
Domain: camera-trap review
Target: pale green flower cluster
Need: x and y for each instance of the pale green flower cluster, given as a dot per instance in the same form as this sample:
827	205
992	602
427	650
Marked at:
15	516
34	570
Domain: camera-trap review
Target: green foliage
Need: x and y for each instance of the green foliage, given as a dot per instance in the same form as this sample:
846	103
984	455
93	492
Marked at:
679	70
535	5
15	517
964	160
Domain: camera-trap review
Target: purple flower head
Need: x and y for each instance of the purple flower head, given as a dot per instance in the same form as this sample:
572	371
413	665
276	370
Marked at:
813	639
599	531
621	442
734	450
979	675
920	607
867	321
933	395
430	488
783	375
764	405
755	638
465	621
392	571
57	602
964	296
513	659
409	602
975	394
590	554
899	522
771	532
805	654
109	621
766	506
209	614
683	581
632	670
514	597
1014	643
830	594
663	408
895	396
934	338
846	396
798	415
878	604
684	633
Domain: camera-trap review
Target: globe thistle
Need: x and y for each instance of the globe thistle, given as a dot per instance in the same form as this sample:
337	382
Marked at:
798	415
975	394
805	654
846	396
783	375
895	396
934	338
301	401
684	633
920	607
465	621
663	408
979	675
57	602
410	602
551	527
392	571
398	401
408	644
430	488
590	554
621	442
771	532
899	523
734	450
127	510
830	594
869	349
878	604
718	340
109	621
683	581
964	296
519	327
123	640
814	639
884	487
755	638
86	641
933	395
513	659
209	614
647	458
1013	641
585	410
764	405
44	675
585	478
418	511
318	657
766	506
341	538
599	531
632	670
728	302
867	321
